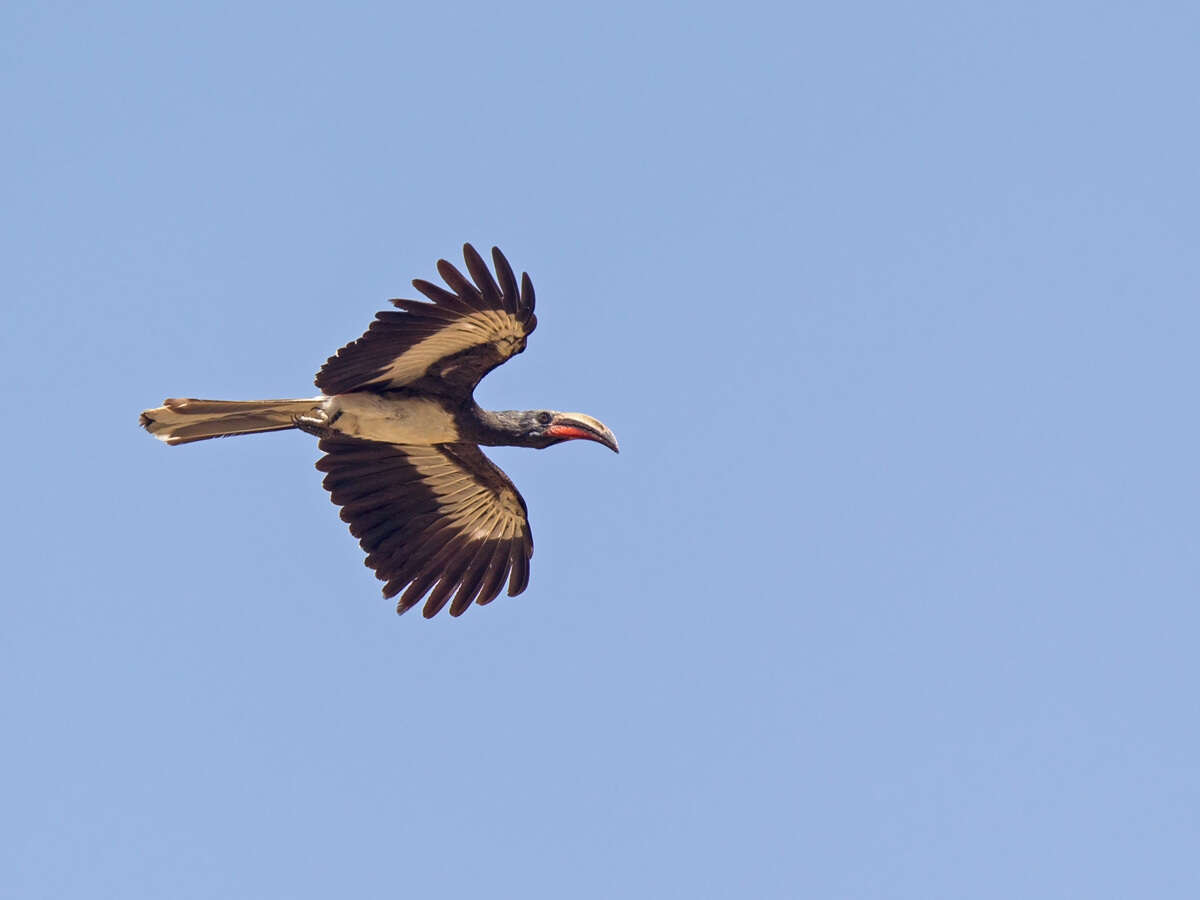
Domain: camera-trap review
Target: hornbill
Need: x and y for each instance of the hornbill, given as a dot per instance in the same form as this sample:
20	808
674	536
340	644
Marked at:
401	432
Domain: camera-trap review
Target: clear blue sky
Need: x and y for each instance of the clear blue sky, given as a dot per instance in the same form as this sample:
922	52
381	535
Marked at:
892	591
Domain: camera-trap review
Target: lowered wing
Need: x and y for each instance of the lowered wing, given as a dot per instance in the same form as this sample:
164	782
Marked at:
442	517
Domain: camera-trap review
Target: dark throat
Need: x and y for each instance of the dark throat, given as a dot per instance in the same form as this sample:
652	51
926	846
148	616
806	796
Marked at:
493	429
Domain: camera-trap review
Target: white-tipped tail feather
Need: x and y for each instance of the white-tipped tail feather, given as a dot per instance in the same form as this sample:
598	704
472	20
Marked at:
181	421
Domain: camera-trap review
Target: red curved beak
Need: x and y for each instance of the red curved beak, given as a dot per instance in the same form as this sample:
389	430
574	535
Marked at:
577	426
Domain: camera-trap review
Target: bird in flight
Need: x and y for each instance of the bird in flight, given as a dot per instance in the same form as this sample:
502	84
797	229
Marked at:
401	432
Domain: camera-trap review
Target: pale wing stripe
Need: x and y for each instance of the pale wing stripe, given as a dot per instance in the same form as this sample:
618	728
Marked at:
469	507
462	498
483	505
449	495
462	515
488	523
444	476
470	331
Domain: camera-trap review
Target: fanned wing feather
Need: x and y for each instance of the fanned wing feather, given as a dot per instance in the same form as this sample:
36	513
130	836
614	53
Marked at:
441	520
445	345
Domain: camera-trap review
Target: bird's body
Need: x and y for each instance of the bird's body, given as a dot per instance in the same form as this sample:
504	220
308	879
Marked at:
396	419
401	432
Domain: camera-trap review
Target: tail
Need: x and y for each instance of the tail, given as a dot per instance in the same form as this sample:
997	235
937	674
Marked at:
181	421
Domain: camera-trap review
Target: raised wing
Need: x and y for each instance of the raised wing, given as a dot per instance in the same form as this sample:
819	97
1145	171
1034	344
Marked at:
441	517
445	346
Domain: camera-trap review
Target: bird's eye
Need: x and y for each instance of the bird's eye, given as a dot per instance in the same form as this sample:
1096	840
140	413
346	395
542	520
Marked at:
543	418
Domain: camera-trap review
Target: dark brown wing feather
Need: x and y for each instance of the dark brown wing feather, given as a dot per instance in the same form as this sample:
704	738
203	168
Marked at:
442	520
443	346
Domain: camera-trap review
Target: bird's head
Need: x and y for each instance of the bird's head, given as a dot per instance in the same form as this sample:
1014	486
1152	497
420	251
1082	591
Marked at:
545	427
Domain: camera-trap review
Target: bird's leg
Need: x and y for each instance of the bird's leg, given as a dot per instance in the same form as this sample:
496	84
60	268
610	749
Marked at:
315	423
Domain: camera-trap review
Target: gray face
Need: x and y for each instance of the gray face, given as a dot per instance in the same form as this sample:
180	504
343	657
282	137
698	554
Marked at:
528	427
535	422
544	427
